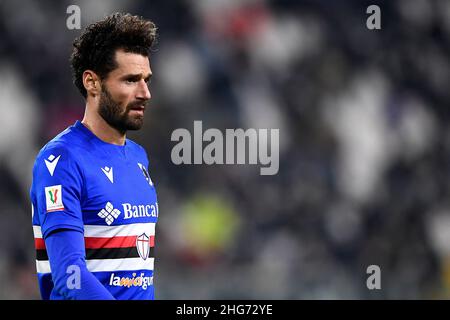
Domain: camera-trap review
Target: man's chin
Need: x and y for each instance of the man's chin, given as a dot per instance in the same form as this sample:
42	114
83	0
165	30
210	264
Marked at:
135	124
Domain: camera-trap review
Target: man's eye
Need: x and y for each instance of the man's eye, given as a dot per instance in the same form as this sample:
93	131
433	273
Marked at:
130	80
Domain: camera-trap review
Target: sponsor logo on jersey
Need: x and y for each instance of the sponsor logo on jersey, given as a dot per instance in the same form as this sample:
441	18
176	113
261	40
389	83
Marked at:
53	198
109	213
140	211
127	282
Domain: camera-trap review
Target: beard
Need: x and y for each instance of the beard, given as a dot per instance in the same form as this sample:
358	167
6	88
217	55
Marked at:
112	112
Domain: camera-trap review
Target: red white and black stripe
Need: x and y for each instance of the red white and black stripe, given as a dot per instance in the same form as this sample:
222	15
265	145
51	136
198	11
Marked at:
108	248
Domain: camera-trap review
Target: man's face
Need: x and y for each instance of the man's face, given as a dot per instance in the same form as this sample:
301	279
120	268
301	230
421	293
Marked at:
125	92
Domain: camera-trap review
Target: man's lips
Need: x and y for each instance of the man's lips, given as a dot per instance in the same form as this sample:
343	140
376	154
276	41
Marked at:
139	107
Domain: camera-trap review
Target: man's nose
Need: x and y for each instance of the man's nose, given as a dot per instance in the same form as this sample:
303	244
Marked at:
143	91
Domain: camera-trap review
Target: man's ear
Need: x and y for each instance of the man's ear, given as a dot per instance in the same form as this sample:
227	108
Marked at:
91	83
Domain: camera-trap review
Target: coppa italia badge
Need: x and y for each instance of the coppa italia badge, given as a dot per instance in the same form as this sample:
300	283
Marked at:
143	246
53	198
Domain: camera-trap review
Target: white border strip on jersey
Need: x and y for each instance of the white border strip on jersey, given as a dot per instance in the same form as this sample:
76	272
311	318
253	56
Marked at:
128	264
37	231
123	230
106	265
43	266
134	229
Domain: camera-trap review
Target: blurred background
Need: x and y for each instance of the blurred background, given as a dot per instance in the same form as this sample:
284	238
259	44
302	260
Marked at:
364	174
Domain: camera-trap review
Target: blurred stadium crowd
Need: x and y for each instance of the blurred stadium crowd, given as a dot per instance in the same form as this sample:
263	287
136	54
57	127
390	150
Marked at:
364	143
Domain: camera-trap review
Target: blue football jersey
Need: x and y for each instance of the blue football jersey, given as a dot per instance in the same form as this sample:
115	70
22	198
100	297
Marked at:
105	191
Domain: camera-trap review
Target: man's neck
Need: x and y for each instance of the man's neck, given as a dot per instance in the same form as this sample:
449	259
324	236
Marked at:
98	126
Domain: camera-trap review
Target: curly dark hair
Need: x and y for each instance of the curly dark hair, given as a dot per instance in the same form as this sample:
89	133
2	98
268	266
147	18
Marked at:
95	48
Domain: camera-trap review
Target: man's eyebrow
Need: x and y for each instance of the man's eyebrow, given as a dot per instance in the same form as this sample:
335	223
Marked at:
135	76
148	76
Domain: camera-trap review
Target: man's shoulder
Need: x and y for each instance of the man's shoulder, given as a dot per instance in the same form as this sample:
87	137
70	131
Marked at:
60	158
67	142
136	147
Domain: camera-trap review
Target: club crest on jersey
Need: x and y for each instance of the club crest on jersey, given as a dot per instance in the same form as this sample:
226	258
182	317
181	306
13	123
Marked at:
145	173
53	198
143	246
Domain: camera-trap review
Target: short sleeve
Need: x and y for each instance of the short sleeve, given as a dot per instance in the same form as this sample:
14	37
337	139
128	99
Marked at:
57	190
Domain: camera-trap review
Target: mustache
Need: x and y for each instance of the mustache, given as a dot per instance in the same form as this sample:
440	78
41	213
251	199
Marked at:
137	104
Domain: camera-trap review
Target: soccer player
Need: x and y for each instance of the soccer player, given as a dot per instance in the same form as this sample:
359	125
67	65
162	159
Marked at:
93	201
